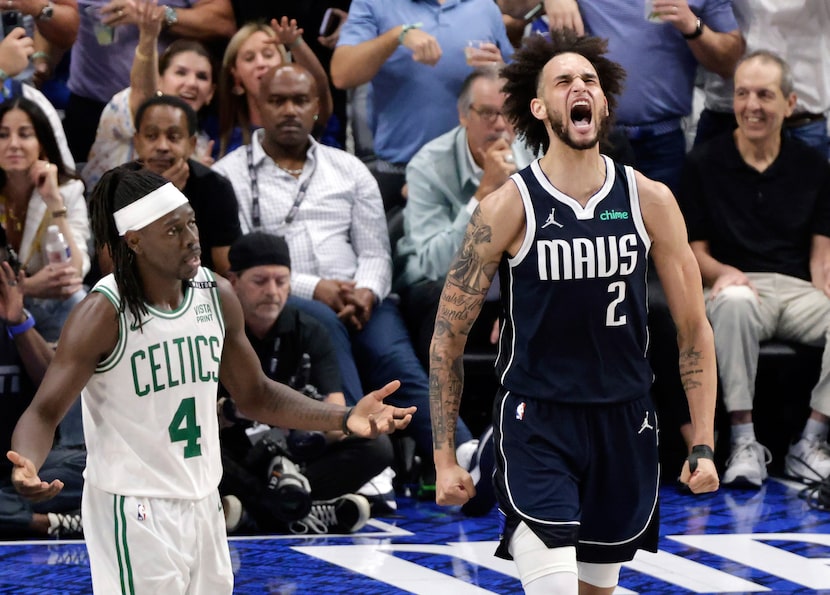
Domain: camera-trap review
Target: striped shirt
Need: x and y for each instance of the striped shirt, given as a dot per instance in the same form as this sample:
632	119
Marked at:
339	230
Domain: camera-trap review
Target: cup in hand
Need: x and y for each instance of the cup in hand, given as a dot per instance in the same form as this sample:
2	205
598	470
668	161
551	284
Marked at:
473	48
649	13
104	34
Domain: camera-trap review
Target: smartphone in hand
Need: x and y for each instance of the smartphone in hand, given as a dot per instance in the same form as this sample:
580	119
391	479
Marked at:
331	21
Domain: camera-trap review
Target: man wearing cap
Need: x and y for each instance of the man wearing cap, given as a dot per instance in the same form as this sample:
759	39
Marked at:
287	341
148	346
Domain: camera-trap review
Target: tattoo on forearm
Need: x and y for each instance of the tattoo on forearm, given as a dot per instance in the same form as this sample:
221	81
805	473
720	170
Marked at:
464	292
691	369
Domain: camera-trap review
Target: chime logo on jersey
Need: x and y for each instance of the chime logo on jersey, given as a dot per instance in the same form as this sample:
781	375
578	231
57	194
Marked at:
586	258
142	512
520	410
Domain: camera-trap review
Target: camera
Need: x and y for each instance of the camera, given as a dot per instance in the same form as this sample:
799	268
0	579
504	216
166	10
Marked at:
12	19
287	491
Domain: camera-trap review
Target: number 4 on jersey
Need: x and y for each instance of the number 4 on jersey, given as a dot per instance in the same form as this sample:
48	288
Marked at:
183	428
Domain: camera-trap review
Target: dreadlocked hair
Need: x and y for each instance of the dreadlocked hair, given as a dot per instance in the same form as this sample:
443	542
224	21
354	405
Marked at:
523	78
116	189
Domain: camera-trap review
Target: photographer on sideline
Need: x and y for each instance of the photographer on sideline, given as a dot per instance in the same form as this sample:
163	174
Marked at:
266	468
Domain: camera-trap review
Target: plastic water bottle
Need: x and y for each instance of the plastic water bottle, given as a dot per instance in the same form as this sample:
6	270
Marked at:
55	247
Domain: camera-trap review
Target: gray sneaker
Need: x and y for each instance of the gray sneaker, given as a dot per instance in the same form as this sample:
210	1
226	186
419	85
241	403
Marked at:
747	465
808	460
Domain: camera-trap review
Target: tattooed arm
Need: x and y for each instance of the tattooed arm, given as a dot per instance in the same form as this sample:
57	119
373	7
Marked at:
679	273
496	226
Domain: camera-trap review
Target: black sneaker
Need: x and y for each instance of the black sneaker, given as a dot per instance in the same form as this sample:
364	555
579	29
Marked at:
345	514
65	526
481	469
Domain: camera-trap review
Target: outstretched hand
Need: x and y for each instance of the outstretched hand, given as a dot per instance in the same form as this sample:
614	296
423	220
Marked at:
26	480
371	417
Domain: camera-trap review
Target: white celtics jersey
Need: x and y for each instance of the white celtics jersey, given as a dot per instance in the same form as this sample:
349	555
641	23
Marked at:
150	408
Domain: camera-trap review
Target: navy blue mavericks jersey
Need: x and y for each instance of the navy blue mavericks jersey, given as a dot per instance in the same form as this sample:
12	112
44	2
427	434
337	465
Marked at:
575	294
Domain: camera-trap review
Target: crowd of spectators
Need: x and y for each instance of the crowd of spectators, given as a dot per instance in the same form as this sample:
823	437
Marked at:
257	111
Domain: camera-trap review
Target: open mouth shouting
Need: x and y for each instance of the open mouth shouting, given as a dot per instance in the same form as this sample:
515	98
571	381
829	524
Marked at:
581	114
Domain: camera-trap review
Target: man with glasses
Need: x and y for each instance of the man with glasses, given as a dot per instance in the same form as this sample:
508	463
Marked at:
446	179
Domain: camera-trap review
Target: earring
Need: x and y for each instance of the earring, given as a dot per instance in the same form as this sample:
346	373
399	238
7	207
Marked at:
238	90
315	117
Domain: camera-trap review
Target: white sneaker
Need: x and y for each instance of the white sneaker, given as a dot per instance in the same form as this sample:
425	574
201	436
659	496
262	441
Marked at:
747	465
380	492
232	508
808	460
464	453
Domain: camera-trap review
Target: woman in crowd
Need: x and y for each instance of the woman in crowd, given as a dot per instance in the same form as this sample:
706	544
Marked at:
184	70
38	191
254	49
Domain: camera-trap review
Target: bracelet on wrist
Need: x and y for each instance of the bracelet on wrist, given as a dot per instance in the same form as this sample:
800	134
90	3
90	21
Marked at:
345	424
18	329
39	56
406	29
141	55
61	212
297	42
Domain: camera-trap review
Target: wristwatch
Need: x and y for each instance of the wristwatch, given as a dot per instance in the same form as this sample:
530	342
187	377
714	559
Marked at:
697	32
46	13
171	17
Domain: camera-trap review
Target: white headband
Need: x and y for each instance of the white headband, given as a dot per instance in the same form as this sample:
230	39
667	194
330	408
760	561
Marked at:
148	208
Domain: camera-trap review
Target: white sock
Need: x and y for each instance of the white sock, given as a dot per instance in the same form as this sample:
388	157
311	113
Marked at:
743	431
814	430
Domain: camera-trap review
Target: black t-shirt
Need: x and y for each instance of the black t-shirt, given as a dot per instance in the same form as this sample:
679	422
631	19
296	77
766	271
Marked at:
282	349
217	212
16	392
757	221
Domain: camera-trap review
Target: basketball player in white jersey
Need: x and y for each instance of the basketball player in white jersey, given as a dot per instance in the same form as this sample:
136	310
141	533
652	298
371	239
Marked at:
574	428
147	347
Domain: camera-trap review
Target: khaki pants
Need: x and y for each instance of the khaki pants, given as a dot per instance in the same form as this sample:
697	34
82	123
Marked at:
786	308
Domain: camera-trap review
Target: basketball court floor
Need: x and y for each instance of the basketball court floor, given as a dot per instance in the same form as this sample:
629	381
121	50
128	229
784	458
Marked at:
770	541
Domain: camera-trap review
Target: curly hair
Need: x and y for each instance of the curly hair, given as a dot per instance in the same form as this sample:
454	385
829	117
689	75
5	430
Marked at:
523	78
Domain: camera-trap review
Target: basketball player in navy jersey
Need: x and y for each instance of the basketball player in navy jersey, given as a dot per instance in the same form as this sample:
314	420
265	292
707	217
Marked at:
148	346
575	431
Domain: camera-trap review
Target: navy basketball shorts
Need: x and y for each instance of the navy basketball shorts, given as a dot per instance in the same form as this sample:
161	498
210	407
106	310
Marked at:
578	475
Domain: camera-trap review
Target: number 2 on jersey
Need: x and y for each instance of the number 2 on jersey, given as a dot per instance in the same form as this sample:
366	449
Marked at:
183	428
611	316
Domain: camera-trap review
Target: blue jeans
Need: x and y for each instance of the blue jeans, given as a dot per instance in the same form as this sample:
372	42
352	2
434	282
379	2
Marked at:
378	354
661	157
813	134
61	463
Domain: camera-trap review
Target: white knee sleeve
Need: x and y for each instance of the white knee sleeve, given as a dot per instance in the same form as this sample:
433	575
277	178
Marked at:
599	575
539	564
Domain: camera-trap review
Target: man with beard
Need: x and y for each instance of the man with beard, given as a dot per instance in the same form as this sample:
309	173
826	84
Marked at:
165	138
446	179
573	420
327	205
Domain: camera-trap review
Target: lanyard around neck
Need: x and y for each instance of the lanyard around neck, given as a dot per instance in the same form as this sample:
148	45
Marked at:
256	214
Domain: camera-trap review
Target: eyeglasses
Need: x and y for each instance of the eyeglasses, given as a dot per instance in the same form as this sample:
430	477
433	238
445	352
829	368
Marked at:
488	114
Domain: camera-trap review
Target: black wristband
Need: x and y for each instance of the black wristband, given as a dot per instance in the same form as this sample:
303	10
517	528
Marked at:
345	426
699	451
697	32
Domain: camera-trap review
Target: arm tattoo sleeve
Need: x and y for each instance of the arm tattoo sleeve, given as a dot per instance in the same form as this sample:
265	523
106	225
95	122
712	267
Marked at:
464	292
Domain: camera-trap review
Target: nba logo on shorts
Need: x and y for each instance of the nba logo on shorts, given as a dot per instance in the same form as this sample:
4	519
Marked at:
520	411
142	512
